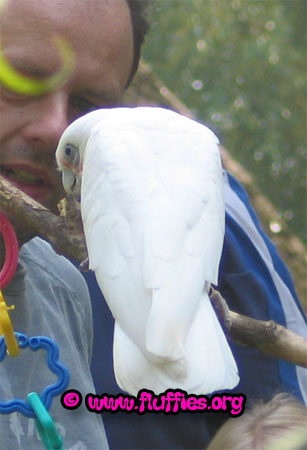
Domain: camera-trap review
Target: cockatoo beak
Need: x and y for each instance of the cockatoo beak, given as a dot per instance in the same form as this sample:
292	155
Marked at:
69	180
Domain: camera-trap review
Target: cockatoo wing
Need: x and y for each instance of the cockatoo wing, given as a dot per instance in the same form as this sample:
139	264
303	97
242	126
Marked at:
153	216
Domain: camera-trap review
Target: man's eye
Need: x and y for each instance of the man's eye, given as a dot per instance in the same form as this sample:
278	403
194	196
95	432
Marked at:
83	105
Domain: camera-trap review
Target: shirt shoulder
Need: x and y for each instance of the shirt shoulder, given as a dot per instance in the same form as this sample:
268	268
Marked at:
39	254
55	281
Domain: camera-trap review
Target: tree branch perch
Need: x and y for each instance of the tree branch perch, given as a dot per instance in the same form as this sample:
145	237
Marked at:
269	337
65	234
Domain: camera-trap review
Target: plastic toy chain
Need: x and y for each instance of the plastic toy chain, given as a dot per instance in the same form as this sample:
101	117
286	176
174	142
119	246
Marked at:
6	274
37	406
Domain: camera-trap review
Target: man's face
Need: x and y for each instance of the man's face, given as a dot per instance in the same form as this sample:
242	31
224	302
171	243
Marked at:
100	34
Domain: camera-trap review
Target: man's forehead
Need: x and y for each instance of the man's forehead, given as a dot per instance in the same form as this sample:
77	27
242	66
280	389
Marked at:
99	31
66	14
63	7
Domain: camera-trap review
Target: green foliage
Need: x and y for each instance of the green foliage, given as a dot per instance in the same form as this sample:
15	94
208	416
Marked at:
240	66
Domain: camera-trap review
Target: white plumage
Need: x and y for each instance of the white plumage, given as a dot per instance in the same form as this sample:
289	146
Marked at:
153	215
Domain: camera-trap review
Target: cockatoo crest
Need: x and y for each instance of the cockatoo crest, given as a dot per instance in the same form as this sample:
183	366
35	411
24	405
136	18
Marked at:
153	214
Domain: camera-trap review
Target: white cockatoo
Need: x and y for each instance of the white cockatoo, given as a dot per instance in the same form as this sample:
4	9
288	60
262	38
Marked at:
151	189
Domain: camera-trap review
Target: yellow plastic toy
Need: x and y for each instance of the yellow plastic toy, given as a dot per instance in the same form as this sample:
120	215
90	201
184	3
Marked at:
6	328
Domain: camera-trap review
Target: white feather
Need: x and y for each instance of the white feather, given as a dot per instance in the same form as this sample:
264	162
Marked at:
153	215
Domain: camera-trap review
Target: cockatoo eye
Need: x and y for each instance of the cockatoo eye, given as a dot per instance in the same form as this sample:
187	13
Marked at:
70	151
71	155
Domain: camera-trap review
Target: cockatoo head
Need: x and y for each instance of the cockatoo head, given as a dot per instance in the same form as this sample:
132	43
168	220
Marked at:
70	151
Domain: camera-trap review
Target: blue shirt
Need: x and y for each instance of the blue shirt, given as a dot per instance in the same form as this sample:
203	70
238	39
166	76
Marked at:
255	282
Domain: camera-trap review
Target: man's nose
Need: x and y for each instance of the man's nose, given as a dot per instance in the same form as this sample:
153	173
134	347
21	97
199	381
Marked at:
49	119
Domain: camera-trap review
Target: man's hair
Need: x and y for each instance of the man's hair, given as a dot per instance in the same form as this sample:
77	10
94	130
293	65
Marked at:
139	10
265	426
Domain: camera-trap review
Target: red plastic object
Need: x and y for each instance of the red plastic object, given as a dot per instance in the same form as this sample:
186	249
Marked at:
11	251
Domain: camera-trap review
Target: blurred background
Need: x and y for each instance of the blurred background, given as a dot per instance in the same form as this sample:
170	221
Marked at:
240	67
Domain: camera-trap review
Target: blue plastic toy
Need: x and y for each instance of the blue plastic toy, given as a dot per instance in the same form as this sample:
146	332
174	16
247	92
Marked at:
36	343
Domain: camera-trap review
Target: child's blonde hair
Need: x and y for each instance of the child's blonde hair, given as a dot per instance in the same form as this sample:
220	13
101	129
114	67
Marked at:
281	421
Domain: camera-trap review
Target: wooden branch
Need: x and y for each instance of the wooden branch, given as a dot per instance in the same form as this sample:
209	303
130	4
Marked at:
62	232
67	237
269	337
